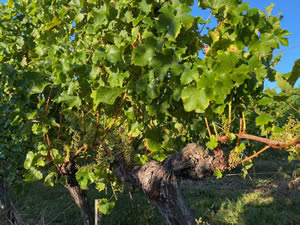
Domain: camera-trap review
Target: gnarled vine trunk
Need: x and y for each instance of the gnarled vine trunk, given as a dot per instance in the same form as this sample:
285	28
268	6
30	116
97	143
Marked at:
161	186
160	180
81	200
79	195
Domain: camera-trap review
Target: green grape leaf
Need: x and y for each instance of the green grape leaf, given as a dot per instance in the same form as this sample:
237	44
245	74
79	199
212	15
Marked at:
241	148
295	73
194	99
240	74
28	161
106	95
222	87
117	79
105	206
189	75
37	87
145	7
212	143
214	4
57	156
100	186
246	166
218	174
263	119
142	54
99	16
98	54
187	21
113	53
36	82
70	100
231	136
90	30
284	41
55	21
265	101
153	144
141	159
75	4
153	140
227	61
135	129
85	176
170	25
41	162
283	83
33	175
51	178
269	8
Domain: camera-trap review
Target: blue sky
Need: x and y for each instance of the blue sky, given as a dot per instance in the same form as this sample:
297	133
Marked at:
291	22
290	11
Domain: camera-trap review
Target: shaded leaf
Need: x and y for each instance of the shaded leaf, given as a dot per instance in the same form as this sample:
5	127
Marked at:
189	75
295	73
153	140
106	95
69	100
142	54
170	25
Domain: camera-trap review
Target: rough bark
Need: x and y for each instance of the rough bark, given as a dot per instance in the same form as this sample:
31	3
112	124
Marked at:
79	195
81	200
159	181
161	186
5	202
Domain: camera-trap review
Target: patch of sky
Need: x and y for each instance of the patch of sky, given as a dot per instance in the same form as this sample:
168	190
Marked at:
286	63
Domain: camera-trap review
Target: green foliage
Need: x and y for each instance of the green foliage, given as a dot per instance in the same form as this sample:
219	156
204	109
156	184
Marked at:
213	142
33	175
218	174
263	119
28	160
105	206
128	74
290	130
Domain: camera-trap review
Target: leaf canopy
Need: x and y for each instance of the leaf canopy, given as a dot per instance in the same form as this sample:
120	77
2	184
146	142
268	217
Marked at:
130	74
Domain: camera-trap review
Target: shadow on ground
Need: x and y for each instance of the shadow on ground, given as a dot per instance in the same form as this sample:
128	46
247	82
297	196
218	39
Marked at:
270	196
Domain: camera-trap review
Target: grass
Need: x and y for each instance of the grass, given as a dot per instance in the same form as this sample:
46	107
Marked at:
263	199
254	205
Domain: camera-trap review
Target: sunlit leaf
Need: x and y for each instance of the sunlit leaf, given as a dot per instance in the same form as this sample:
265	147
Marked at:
33	175
194	99
218	174
263	119
28	160
213	142
105	206
51	178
